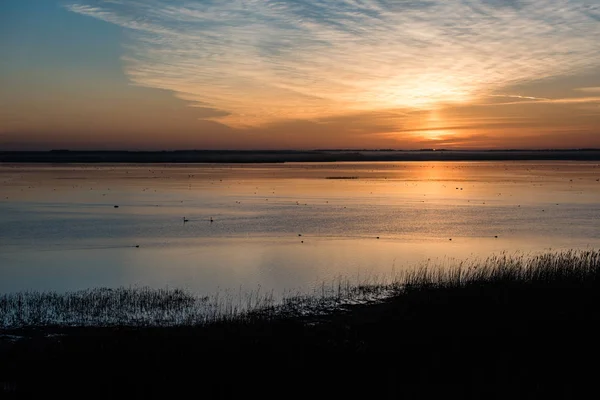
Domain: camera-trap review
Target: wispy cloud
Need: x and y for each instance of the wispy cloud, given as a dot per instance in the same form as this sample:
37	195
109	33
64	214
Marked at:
539	100
589	89
516	96
263	60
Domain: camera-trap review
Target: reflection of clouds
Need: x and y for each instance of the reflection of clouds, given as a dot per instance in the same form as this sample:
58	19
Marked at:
261	61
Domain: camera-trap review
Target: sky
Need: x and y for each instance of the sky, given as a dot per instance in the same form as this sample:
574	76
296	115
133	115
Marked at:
299	74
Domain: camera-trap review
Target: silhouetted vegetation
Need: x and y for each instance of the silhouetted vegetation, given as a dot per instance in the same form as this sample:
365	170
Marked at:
143	307
508	327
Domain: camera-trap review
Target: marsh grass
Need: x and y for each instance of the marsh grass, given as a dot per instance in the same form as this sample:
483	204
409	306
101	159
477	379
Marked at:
140	307
147	307
507	327
560	269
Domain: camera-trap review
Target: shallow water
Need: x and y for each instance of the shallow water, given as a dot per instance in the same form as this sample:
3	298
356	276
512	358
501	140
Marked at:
59	228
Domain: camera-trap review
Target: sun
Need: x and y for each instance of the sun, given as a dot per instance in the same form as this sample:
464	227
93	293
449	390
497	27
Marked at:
433	134
433	127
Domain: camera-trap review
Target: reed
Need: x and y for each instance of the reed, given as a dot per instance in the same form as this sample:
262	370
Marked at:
139	307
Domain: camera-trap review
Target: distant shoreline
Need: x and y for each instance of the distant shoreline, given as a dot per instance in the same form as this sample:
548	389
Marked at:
282	156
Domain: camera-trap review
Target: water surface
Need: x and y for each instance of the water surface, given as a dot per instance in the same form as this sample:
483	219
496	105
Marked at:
60	230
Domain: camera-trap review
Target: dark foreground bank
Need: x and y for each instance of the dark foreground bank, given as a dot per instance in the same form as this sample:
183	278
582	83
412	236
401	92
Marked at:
508	328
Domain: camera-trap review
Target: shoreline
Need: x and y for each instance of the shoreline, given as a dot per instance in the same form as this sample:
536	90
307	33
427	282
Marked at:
280	156
507	328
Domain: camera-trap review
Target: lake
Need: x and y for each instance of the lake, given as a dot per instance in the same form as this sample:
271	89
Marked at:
280	227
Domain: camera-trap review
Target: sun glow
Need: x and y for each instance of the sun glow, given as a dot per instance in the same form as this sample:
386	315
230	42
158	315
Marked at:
433	128
424	93
434	134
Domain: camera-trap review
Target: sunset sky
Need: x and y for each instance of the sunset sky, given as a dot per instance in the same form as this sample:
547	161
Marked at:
303	74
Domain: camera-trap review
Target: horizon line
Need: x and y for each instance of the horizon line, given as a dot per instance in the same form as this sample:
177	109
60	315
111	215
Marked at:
59	150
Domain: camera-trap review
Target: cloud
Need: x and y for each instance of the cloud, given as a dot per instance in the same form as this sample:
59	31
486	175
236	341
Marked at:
261	61
541	100
516	96
589	89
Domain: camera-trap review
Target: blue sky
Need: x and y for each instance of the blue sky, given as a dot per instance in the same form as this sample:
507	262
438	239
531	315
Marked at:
299	73
42	34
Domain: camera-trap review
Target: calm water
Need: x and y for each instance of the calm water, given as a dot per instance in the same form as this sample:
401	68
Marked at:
59	228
